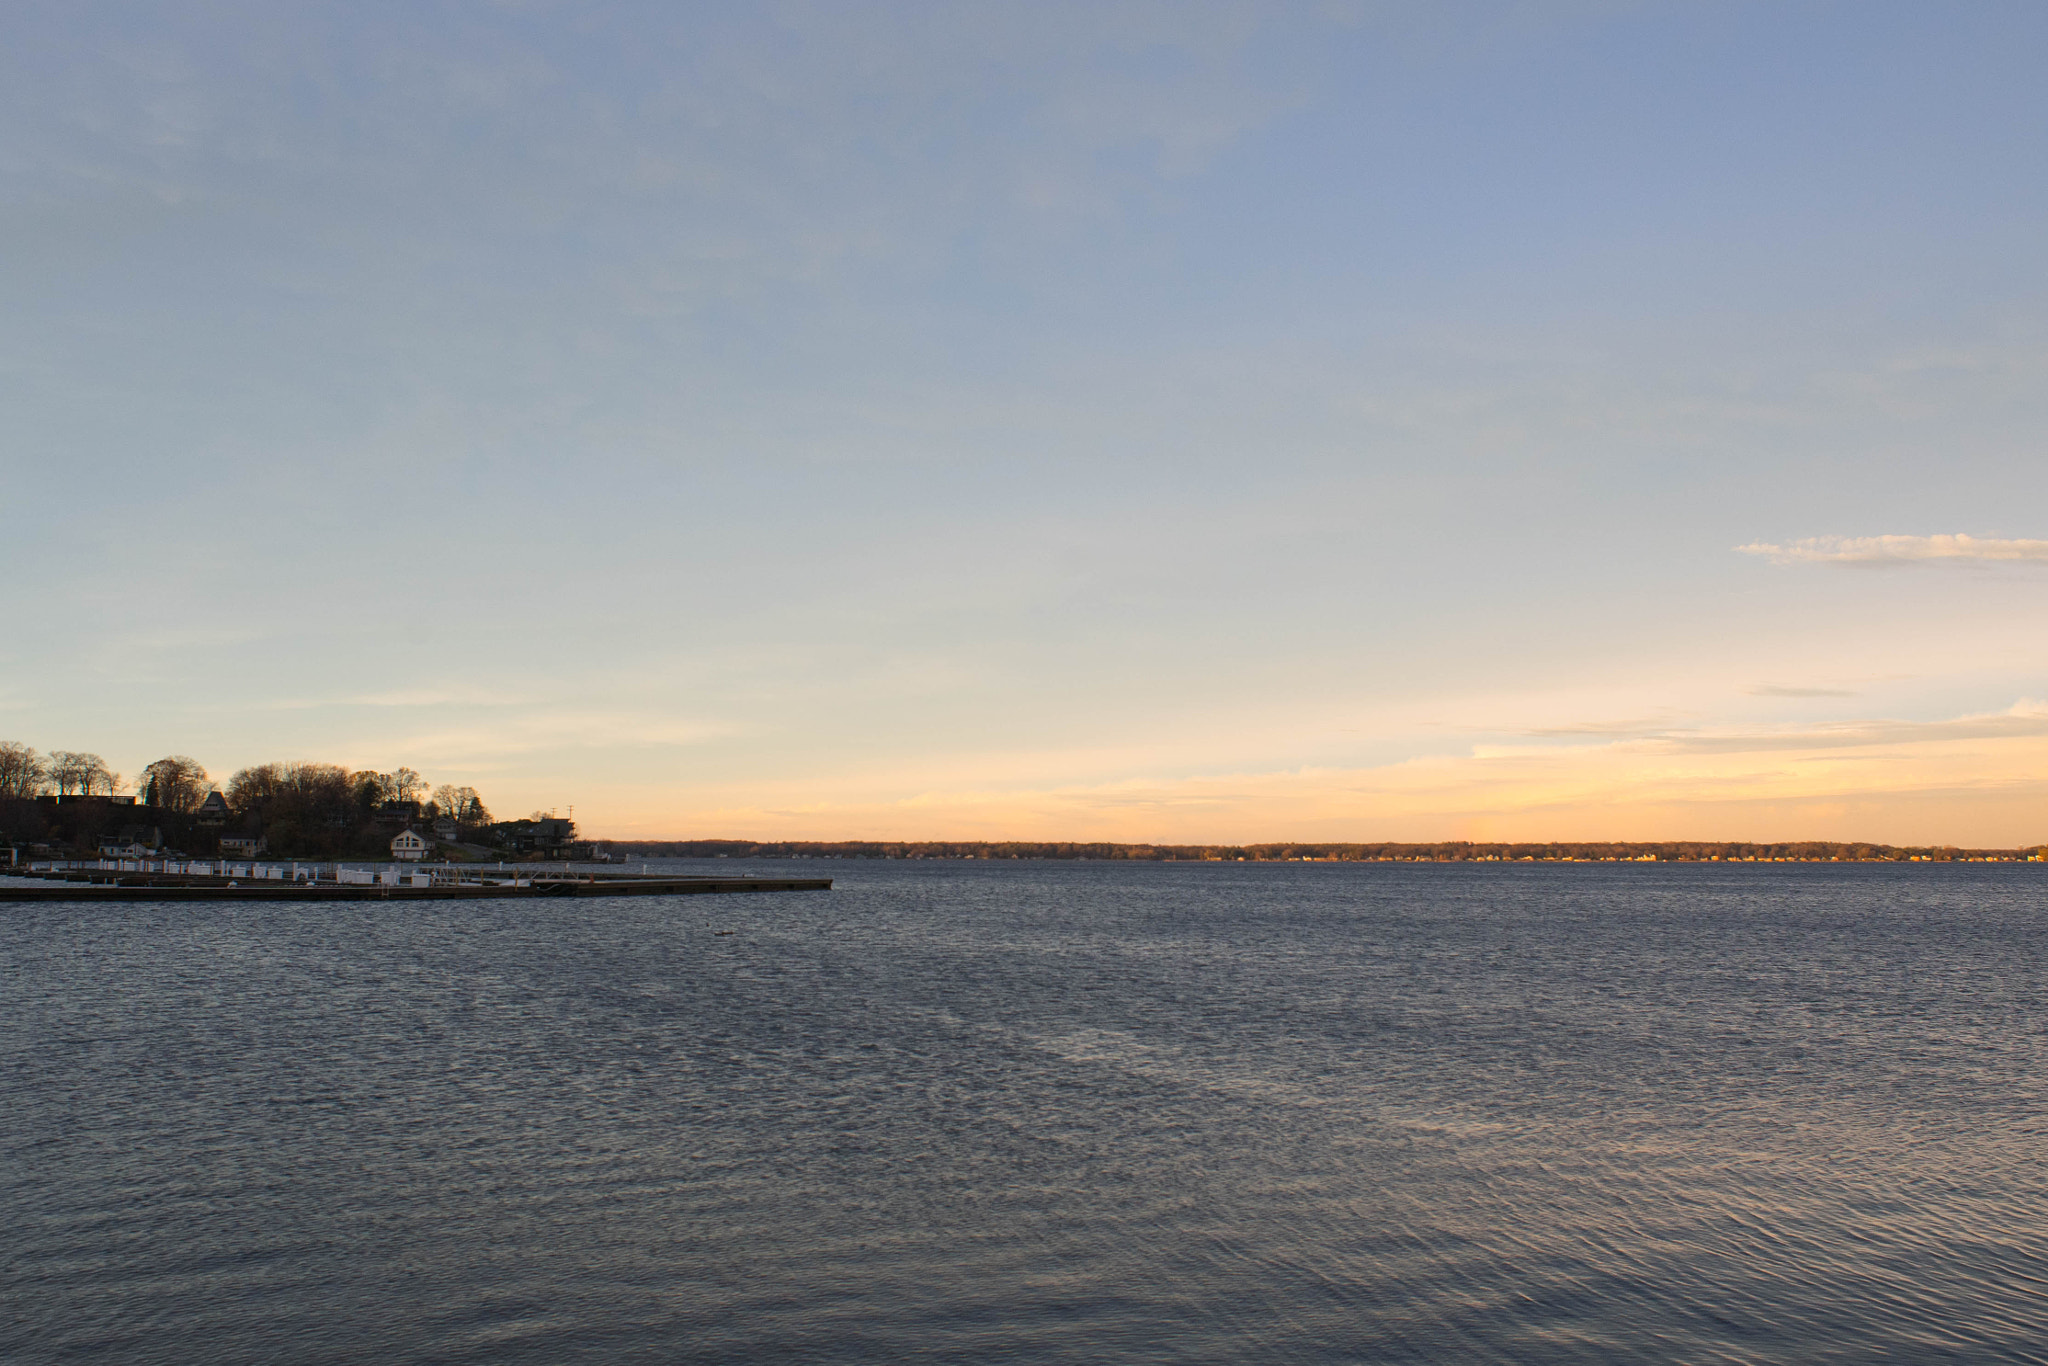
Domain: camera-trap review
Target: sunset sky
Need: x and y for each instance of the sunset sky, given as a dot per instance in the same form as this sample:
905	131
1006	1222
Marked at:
1096	421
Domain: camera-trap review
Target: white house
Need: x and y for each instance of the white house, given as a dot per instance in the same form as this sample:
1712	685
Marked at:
408	846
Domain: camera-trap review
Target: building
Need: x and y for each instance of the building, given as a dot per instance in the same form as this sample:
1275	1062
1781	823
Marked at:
409	846
398	813
546	838
134	841
444	829
214	810
244	846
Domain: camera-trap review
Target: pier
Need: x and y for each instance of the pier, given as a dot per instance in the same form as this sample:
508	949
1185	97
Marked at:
221	880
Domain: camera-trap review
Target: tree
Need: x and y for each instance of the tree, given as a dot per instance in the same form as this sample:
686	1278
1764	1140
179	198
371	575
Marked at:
251	789
461	804
309	808
75	771
371	788
65	767
22	771
176	782
408	785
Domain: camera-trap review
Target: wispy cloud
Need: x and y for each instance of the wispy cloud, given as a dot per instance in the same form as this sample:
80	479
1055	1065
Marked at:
574	731
1902	550
407	697
1969	779
2023	718
1773	690
1611	730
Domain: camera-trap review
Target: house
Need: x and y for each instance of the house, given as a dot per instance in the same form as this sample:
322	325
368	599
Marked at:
134	841
214	810
409	846
547	838
444	829
244	846
398	813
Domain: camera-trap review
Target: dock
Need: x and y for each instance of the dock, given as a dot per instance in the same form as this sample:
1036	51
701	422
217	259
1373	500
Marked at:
212	880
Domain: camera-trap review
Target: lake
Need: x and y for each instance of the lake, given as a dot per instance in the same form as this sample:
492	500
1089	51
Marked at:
1042	1112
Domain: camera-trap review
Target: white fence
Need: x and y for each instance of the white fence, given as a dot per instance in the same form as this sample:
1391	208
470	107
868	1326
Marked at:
333	874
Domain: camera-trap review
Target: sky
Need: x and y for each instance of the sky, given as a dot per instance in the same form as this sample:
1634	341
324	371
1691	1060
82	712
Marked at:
1108	421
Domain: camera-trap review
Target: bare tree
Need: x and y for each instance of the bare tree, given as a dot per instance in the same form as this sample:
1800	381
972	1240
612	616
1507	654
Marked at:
75	771
409	785
63	768
176	782
83	773
22	771
462	804
297	804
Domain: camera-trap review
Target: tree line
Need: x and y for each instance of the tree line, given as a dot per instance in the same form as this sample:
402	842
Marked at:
324	809
308	809
25	774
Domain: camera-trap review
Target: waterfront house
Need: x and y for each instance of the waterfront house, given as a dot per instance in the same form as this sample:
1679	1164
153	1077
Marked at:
549	837
398	813
244	846
409	846
134	841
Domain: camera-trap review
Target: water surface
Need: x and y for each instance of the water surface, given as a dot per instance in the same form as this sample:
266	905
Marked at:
1042	1112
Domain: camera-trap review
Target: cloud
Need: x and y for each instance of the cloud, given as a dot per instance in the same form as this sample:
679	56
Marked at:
407	697
1973	780
1773	690
2023	719
1607	729
1901	550
506	738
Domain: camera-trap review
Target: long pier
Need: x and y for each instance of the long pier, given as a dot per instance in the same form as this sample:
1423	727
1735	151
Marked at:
170	880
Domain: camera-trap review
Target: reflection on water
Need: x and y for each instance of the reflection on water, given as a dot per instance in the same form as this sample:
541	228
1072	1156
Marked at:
1042	1112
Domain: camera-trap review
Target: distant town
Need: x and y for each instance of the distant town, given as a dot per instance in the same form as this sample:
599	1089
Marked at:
1452	851
69	803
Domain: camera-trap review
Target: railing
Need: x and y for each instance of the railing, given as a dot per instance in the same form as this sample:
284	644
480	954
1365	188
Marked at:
313	874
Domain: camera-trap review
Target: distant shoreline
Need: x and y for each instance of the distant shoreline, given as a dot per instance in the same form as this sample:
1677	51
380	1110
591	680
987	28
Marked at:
1452	851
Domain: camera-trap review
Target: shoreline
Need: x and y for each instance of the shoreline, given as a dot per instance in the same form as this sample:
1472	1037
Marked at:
1450	851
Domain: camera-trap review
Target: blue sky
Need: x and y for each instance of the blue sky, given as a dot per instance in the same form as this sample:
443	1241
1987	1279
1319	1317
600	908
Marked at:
1117	421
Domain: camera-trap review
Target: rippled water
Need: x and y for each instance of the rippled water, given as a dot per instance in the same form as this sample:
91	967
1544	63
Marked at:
1042	1112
